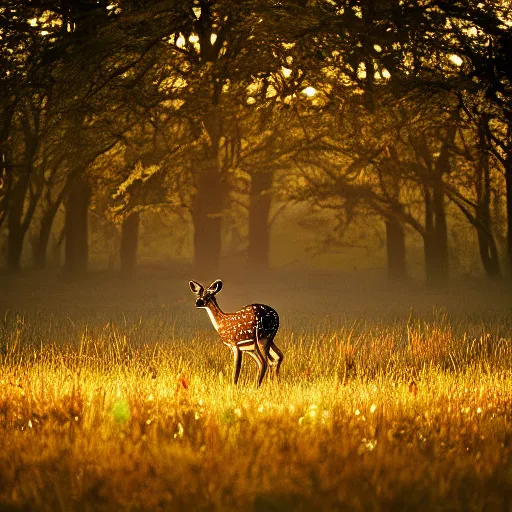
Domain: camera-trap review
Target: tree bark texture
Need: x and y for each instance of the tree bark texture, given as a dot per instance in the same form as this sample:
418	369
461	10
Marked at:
486	242
6	172
5	185
207	216
129	243
15	228
440	233
259	229
22	204
508	183
436	237
436	230
76	227
45	229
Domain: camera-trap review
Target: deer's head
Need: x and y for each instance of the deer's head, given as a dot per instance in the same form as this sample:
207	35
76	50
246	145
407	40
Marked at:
204	297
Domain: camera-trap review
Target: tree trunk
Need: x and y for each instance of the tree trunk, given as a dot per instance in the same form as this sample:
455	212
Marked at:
6	172
440	234
15	239
48	217
5	185
428	244
488	254
76	227
435	238
18	218
395	245
129	242
15	229
210	195
259	230
208	208
486	241
508	183
41	246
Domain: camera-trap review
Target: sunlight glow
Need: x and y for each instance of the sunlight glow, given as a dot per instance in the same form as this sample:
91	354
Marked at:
193	38
309	91
32	22
271	92
361	71
455	59
286	72
180	41
252	88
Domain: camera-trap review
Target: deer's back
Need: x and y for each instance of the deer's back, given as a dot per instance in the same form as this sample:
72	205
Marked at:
242	325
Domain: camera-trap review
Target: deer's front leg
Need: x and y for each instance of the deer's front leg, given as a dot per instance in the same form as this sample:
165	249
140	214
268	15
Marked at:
237	354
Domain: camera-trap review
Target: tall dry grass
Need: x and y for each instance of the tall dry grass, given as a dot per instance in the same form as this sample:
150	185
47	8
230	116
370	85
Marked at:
137	412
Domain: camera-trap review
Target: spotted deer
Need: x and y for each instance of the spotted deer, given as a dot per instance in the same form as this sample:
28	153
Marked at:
250	330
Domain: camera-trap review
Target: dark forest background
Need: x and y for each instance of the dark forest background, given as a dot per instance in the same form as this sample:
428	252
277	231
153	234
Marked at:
225	132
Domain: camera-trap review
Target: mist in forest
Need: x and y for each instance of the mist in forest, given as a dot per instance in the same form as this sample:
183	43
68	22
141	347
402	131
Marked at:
362	142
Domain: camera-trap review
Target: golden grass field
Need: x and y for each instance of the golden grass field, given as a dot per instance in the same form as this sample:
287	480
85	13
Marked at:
119	397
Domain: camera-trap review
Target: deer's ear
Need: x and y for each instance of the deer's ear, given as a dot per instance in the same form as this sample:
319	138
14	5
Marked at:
196	287
215	287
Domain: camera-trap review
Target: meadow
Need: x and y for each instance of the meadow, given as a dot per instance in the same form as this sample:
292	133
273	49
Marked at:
117	395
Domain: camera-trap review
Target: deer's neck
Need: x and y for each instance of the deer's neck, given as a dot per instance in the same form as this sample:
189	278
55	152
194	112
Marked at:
215	313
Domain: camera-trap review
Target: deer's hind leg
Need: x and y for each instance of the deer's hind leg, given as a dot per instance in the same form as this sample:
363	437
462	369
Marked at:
261	361
260	357
275	356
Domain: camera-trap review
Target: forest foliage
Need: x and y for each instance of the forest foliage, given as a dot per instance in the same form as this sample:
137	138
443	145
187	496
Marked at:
395	114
